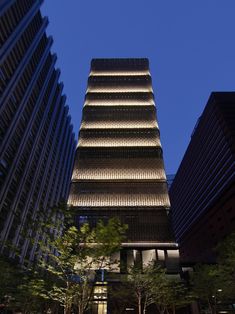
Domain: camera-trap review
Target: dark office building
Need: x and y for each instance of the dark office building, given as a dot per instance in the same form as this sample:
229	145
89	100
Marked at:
203	191
119	167
37	143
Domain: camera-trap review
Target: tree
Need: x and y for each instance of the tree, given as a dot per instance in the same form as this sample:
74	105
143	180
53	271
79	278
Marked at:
80	255
152	285
226	262
21	288
139	281
68	262
209	285
175	292
215	284
156	291
26	288
31	295
168	292
121	296
226	252
9	274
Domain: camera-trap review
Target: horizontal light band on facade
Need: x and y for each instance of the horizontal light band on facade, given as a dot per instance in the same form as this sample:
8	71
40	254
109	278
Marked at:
118	102
118	73
119	89
118	142
151	244
145	244
106	124
119	200
119	169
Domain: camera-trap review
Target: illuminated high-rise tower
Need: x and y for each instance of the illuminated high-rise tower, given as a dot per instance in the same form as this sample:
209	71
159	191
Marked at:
119	168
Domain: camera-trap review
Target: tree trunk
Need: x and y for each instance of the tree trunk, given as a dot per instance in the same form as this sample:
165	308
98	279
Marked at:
67	309
68	305
160	309
139	305
145	305
209	305
214	309
80	309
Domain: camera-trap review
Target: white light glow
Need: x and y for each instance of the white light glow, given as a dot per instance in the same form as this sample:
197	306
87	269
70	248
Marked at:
119	89
118	102
119	142
161	255
173	254
118	174
121	124
118	73
119	200
148	257
150	244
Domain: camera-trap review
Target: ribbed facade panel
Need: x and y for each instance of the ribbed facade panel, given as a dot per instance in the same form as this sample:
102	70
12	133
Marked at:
36	157
119	194
130	138
119	169
119	117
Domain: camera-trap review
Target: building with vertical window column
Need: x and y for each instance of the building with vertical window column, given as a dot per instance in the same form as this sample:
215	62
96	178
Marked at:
119	168
37	143
203	191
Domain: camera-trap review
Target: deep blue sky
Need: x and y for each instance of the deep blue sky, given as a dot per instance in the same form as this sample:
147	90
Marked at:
190	45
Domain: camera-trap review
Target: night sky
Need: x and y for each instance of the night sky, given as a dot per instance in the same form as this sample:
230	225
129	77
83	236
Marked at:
190	46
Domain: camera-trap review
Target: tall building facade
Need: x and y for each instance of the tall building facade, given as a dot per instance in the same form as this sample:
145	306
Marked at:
118	168
203	191
37	145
